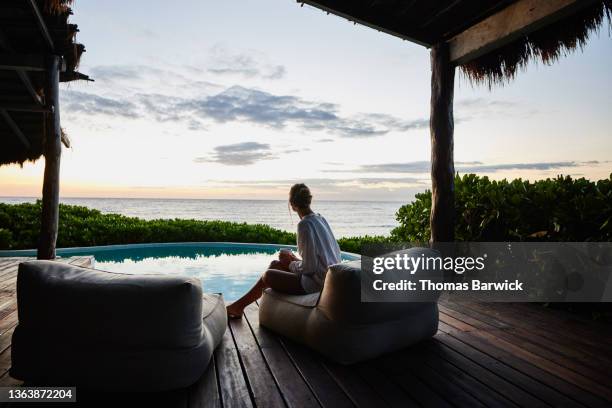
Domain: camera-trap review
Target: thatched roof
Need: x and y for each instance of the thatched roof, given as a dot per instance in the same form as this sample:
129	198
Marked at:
546	45
30	32
436	21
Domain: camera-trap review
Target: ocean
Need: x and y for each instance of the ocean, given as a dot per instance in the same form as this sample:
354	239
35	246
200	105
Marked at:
347	218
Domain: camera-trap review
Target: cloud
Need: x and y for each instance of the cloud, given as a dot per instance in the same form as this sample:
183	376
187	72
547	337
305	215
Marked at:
239	154
91	104
232	104
341	184
246	64
462	167
113	72
480	103
360	188
244	154
241	104
516	166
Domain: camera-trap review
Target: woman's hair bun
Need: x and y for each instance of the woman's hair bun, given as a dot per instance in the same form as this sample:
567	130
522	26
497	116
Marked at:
300	196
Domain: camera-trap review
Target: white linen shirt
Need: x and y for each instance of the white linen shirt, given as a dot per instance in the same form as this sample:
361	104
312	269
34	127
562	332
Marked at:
318	249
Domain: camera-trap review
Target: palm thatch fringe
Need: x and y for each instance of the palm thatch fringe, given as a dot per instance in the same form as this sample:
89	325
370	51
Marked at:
57	6
547	45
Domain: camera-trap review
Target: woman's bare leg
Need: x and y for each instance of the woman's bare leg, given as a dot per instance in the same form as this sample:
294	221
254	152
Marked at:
276	278
235	310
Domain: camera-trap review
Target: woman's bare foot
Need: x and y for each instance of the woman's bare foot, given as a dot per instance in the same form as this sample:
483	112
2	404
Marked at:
234	311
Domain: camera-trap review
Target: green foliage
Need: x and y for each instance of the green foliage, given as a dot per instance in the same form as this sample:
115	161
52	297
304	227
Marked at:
353	244
82	226
5	238
560	209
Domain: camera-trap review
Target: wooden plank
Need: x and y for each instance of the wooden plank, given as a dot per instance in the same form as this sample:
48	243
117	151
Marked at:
388	389
593	330
353	385
7	381
292	385
24	107
552	367
414	360
262	384
8	322
6	337
538	374
362	21
569	357
441	126
327	391
232	385
509	373
551	331
52	151
516	20
5	360
205	392
424	394
41	24
21	62
465	380
494	381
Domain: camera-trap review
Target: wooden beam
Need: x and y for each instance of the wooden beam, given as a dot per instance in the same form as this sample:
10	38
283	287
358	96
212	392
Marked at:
328	10
22	62
41	24
25	79
14	128
442	162
52	151
24	107
516	20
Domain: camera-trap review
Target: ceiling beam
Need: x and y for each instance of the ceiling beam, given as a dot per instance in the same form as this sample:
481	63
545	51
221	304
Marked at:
11	124
41	24
24	107
22	62
514	21
356	20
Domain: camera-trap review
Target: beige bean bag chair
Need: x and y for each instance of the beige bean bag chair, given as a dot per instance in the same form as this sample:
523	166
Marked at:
112	331
337	324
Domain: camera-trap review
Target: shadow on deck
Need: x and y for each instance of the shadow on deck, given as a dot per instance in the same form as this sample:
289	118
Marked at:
501	355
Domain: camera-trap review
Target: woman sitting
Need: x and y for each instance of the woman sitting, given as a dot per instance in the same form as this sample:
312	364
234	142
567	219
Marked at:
317	249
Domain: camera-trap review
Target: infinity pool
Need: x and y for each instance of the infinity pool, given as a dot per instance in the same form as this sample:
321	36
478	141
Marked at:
227	268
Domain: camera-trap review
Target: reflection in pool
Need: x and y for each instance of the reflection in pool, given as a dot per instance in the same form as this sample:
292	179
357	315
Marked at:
230	269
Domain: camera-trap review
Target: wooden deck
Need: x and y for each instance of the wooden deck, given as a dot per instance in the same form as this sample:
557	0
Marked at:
499	355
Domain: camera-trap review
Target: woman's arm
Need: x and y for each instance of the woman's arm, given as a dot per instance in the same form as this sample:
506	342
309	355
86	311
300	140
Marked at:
305	243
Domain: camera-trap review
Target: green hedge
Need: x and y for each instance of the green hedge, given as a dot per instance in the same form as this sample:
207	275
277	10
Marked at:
82	226
560	209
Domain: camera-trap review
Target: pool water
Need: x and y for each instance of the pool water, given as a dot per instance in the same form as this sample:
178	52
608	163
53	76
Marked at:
225	268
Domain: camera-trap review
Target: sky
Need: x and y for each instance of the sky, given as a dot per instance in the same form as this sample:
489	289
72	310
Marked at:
241	99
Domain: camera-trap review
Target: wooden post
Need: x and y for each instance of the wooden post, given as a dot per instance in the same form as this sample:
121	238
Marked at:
52	151
441	124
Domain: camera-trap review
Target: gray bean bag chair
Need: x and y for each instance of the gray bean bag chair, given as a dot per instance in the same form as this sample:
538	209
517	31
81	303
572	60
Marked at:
337	324
111	331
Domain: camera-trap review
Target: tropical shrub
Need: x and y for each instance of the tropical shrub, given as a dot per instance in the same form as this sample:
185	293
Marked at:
559	209
82	226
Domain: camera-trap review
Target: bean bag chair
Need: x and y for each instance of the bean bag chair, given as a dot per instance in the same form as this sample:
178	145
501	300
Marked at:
111	331
337	324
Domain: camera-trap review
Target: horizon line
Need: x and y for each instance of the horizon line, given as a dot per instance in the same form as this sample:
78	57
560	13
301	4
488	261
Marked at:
211	199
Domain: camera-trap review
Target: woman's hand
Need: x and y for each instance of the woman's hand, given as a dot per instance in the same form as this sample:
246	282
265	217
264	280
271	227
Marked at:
285	257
